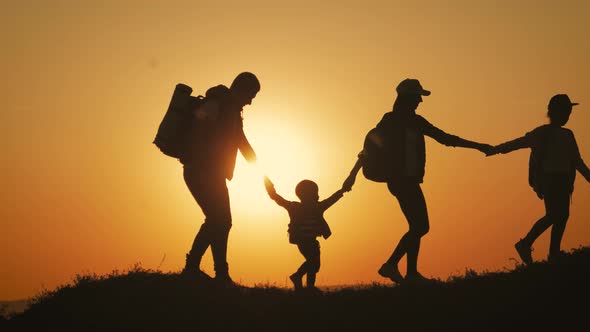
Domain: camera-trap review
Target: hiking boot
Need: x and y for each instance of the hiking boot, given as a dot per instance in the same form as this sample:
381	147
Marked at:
391	272
524	251
195	273
192	270
297	281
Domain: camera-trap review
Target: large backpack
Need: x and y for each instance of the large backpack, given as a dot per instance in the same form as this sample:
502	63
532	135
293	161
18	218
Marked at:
375	165
171	137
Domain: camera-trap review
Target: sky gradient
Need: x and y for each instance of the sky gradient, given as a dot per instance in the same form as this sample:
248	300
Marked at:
85	85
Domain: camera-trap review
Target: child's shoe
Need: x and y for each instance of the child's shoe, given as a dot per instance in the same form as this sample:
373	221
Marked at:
297	281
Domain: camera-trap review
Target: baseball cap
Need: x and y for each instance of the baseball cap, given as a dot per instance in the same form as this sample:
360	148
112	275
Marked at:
560	100
411	86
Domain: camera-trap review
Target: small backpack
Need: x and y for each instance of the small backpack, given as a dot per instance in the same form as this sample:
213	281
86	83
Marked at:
171	137
537	157
375	165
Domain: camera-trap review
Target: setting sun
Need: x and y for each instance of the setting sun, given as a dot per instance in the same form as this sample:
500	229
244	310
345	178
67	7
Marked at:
284	155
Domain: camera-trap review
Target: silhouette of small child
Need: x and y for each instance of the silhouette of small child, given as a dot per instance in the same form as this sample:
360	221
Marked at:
306	224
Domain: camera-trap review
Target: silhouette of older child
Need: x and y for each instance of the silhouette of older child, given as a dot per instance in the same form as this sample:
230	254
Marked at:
306	224
553	163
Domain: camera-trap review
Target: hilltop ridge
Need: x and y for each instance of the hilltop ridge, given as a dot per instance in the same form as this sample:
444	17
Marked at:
539	295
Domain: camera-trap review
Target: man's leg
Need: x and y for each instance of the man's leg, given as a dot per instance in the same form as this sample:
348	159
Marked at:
219	250
212	195
200	245
198	190
221	222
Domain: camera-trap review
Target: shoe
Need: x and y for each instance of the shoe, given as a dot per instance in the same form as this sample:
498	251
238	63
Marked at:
524	251
391	271
225	281
195	273
313	290
417	278
555	258
297	281
192	270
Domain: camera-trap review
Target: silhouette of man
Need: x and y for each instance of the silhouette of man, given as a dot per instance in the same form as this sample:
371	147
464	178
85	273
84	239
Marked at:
216	136
401	134
553	162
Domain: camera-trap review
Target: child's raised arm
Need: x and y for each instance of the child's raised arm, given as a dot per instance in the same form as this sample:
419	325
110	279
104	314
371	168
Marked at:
270	189
326	203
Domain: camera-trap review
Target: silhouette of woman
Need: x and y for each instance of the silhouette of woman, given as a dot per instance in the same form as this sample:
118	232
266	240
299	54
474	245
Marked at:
215	138
553	162
400	134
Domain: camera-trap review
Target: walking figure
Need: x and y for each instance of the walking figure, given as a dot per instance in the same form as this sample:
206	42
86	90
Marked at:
215	137
553	162
306	224
400	136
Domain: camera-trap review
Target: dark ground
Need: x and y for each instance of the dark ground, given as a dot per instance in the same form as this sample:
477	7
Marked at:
541	295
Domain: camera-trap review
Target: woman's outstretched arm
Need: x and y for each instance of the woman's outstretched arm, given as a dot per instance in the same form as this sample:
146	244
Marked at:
452	140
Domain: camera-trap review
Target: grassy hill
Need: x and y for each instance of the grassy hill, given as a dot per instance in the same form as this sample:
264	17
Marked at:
541	295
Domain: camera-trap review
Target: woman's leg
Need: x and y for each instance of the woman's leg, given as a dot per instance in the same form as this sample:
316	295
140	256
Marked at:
413	204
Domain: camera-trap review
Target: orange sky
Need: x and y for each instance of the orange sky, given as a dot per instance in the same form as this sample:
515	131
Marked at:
86	83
